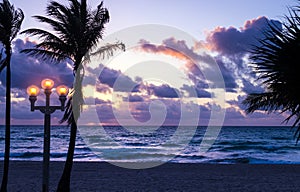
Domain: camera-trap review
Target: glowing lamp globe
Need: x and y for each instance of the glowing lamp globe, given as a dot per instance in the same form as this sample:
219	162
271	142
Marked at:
47	84
62	90
33	90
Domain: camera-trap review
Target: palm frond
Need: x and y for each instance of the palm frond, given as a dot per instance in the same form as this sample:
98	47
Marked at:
57	10
261	101
46	55
276	61
2	61
68	115
59	27
42	34
10	26
108	50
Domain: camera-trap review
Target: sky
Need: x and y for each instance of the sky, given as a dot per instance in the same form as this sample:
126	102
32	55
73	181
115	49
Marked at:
166	75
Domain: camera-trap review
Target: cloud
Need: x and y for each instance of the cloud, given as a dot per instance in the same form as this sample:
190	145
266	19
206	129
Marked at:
196	66
232	41
135	98
106	114
2	91
101	101
228	76
141	112
251	87
198	91
166	48
28	70
233	46
117	80
163	91
103	88
172	111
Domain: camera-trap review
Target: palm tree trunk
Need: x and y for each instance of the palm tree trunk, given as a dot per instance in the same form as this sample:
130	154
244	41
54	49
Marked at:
7	121
64	183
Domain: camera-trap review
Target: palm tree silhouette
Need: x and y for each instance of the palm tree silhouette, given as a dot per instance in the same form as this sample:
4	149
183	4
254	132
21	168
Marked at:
276	61
77	29
10	24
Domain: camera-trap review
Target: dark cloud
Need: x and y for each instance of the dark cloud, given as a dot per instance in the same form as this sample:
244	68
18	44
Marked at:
135	98
105	113
117	80
238	102
164	91
22	111
228	76
233	114
29	70
102	88
142	107
141	112
251	88
196	91
100	101
233	45
231	41
173	111
2	91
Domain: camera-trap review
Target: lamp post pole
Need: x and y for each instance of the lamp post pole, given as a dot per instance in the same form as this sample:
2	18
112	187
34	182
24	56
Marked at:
47	110
46	154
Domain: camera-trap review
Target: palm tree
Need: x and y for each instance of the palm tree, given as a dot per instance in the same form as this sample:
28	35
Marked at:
10	24
276	61
77	29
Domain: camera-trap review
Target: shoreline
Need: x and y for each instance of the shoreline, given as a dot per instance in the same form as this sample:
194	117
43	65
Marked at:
100	176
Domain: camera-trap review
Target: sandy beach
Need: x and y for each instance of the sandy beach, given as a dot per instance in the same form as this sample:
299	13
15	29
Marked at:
93	176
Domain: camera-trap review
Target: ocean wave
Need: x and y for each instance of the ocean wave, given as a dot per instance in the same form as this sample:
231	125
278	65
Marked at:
249	145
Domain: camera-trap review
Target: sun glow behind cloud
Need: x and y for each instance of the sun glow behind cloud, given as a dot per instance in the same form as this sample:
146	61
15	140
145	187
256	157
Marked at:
146	78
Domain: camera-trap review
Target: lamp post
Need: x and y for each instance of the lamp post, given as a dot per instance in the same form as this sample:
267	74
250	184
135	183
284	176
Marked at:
33	91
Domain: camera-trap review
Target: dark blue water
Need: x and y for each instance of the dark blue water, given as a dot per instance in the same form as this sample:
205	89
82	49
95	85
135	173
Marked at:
251	145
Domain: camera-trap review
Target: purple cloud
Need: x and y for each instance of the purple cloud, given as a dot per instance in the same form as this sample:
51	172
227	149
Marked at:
228	76
233	45
164	91
141	112
103	88
135	98
173	111
29	70
117	80
101	101
251	88
232	41
179	49
106	114
196	91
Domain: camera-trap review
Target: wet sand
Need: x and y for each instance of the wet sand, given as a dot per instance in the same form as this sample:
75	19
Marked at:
93	176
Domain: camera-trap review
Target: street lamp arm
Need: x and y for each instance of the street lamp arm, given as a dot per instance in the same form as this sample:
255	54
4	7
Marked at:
48	110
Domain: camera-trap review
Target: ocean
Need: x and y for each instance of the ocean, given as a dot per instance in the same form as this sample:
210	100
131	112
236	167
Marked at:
249	145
